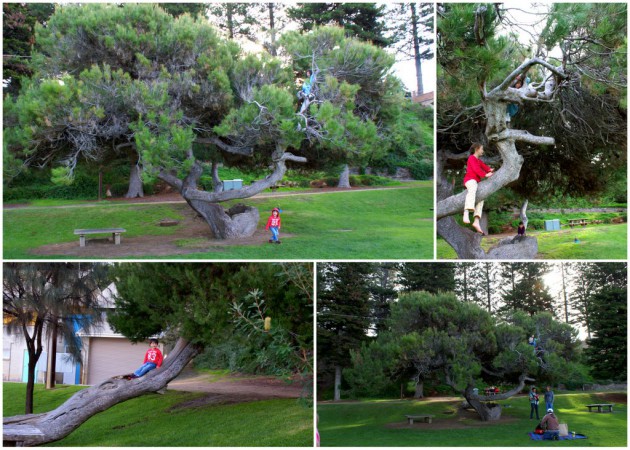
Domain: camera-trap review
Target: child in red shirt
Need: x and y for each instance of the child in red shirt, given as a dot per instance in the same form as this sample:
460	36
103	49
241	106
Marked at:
476	170
152	359
273	224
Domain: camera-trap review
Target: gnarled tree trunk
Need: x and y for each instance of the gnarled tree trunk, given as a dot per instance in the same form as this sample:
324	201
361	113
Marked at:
484	405
466	243
36	429
135	182
239	221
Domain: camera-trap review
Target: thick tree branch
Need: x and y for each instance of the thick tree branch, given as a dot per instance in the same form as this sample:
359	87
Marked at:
523	68
236	150
192	193
524	136
508	173
37	429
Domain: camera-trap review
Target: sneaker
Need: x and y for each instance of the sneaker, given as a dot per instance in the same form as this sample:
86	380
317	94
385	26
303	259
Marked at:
278	242
271	241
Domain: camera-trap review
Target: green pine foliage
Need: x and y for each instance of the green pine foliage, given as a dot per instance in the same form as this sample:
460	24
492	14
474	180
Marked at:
197	302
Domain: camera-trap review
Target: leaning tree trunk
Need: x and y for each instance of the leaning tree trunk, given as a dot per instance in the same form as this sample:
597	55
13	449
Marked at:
36	429
135	182
344	178
240	220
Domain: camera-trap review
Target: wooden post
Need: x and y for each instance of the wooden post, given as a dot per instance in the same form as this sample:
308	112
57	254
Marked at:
100	184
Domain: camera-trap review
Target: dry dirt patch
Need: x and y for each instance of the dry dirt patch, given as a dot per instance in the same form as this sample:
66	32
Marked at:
464	419
193	236
613	397
230	389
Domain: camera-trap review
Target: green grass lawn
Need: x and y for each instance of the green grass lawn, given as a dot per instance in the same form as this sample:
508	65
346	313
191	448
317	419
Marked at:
155	420
372	224
596	242
380	423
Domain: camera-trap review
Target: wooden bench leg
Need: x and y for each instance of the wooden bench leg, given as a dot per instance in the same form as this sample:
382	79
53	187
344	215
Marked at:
82	240
116	238
428	420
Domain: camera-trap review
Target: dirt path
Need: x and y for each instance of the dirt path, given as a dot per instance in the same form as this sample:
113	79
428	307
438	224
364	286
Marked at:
229	389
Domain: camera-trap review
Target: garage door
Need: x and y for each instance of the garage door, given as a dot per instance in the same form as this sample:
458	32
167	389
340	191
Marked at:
110	356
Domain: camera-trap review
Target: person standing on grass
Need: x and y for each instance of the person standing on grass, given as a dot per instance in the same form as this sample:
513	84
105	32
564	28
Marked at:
533	402
549	398
476	170
273	225
152	359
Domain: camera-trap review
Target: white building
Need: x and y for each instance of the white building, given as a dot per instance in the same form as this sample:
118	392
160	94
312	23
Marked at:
104	354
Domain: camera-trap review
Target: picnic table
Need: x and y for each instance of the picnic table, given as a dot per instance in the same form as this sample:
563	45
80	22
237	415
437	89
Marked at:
82	232
600	407
426	418
578	222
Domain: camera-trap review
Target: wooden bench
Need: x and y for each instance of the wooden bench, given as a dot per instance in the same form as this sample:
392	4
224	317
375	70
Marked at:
426	418
275	187
600	407
114	231
578	222
14	435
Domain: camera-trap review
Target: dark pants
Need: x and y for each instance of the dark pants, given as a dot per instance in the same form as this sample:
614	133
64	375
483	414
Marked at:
534	407
551	434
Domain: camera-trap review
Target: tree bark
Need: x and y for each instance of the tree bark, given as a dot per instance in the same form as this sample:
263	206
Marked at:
272	30
217	184
416	49
34	348
337	395
52	357
419	391
344	178
135	182
523	213
37	429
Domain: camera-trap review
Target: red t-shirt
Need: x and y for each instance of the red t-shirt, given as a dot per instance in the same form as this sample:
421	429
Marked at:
475	169
273	222
153	355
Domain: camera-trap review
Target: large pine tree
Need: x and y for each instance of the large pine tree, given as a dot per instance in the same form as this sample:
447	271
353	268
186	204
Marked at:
343	316
430	277
362	20
608	348
530	294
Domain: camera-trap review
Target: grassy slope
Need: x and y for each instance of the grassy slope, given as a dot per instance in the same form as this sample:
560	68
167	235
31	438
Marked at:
383	224
364	424
149	421
596	242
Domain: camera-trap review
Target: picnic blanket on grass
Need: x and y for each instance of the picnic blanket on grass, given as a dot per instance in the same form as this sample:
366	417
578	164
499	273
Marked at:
570	437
